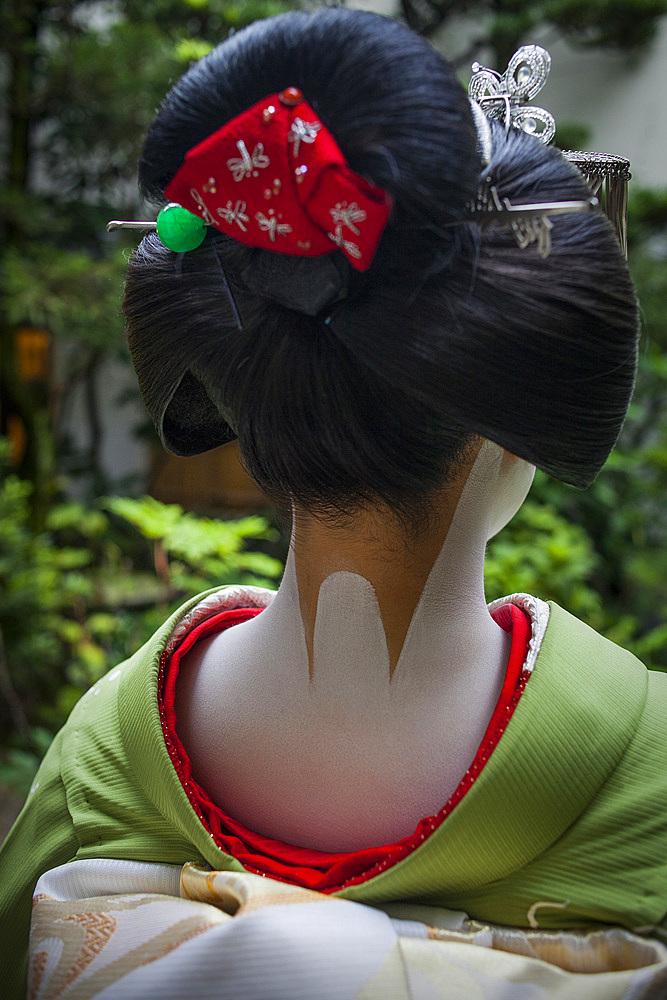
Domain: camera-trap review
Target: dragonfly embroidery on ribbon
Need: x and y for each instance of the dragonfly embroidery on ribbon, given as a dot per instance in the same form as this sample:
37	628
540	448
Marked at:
302	131
236	214
247	164
270	224
347	215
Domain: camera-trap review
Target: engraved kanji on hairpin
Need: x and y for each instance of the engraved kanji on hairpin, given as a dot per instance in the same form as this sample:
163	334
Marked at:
504	96
530	223
274	178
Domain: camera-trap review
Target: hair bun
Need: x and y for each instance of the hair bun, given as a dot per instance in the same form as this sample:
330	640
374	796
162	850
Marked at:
452	330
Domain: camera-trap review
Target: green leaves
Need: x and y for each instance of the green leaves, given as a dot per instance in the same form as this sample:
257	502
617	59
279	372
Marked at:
192	49
542	553
97	96
626	26
68	293
81	595
194	553
620	24
153	519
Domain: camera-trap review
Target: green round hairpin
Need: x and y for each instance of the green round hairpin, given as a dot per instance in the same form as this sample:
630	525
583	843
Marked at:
178	229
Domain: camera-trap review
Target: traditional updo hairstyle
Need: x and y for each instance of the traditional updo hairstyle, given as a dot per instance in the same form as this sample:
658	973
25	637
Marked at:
452	332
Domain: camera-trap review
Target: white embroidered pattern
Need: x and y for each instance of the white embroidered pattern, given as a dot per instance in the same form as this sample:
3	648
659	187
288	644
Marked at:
302	131
248	164
235	214
350	248
343	214
270	224
205	214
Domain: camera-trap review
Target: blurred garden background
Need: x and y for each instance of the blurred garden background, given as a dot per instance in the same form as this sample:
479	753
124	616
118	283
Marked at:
101	534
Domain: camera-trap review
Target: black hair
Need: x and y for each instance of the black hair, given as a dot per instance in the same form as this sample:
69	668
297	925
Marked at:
452	332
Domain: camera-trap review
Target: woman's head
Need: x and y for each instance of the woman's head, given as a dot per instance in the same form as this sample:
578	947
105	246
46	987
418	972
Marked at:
452	332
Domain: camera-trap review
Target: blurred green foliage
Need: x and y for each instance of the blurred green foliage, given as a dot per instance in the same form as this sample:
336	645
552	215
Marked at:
79	86
192	553
544	554
71	295
88	590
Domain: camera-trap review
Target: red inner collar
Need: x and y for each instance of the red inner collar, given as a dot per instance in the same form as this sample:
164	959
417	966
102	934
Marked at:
320	870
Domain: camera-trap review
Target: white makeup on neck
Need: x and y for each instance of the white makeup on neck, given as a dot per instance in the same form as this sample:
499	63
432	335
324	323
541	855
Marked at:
356	755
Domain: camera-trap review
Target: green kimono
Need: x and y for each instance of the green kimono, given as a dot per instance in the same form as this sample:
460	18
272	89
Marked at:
566	825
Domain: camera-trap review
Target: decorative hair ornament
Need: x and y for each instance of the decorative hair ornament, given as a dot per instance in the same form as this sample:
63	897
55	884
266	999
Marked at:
178	229
530	223
275	178
608	176
503	97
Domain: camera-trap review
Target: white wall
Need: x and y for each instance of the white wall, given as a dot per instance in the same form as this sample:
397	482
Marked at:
621	98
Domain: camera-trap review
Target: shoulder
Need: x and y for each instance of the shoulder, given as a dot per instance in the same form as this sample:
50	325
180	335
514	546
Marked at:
613	713
125	698
120	795
570	807
591	671
115	763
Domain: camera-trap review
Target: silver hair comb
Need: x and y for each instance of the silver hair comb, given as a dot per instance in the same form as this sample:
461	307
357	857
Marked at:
504	97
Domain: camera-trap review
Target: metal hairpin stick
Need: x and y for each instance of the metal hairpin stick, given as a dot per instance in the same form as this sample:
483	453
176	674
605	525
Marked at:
228	291
119	224
504	211
530	223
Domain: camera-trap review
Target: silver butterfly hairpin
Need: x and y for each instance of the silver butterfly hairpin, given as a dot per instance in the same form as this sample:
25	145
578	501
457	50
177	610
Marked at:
504	96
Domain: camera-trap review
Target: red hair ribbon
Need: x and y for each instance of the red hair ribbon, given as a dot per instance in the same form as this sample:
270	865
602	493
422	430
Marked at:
274	177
